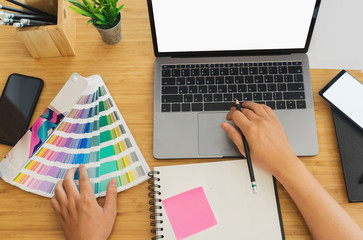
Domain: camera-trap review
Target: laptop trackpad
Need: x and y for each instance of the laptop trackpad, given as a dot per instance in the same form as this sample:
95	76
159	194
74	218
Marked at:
213	141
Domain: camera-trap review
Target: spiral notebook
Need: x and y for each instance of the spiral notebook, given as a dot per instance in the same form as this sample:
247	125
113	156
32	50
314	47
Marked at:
238	212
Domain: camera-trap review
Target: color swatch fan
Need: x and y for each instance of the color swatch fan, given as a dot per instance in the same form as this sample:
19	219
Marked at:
82	125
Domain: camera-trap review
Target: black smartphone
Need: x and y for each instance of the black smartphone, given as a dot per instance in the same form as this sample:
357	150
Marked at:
345	93
17	104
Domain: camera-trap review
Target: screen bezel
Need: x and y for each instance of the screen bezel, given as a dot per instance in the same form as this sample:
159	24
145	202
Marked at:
35	100
324	89
230	53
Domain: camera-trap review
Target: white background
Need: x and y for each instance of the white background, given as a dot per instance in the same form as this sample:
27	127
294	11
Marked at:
213	25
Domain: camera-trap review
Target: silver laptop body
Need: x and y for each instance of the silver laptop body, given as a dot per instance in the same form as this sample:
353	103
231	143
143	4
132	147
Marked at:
197	134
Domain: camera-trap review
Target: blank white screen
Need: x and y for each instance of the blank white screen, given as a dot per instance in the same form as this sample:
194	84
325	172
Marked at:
214	25
347	95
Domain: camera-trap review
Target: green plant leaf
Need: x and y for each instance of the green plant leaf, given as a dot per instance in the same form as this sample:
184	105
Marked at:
101	17
89	21
119	9
79	5
101	23
77	10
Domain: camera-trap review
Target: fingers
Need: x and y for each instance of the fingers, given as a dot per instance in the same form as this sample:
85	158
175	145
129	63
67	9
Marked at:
110	206
55	205
69	184
60	193
234	135
84	182
258	109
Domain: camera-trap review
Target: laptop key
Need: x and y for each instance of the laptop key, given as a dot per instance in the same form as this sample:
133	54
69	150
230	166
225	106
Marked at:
259	79
261	87
185	72
232	88
186	107
233	71
271	104
222	88
238	79
288	78
190	80
171	98
267	96
272	70
175	107
295	69
217	97
199	80
282	70
243	71
290	104
280	105
188	98
183	89
271	87
194	72
223	71
209	80
281	87
169	90
198	97
207	97
300	104
197	107
175	72
227	97
262	70
214	71
269	79
242	88
180	81
247	97
277	95
223	106
203	89
168	81
253	70
278	78
212	88
298	78
294	95
168	66
251	87
165	107
193	89
219	80
204	72
229	80
237	96
295	86
165	73
249	79
257	96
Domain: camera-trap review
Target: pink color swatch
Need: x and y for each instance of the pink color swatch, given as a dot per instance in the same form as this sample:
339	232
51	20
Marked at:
189	213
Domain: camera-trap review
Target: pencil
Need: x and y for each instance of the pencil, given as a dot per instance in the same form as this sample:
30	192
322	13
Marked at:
16	10
33	9
248	156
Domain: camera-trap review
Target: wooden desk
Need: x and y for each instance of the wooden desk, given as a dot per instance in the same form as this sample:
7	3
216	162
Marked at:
127	69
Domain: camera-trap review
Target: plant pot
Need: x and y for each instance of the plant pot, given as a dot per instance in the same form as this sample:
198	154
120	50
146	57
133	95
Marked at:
112	35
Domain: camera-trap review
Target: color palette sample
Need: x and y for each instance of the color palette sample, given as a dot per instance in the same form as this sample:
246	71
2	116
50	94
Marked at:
92	133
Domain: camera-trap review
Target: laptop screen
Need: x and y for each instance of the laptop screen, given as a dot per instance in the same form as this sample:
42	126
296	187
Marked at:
182	26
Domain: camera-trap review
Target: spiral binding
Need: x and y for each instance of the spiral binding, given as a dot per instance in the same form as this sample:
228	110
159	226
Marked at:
153	202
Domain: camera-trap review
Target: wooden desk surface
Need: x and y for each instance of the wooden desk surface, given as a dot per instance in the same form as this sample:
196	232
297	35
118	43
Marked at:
127	69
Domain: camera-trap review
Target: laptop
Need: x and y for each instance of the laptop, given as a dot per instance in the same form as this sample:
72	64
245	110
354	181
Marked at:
208	53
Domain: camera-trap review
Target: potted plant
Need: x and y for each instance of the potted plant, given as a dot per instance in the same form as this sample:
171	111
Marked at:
105	16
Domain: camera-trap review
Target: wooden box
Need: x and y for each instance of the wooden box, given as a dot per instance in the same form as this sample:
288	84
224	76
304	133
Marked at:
52	40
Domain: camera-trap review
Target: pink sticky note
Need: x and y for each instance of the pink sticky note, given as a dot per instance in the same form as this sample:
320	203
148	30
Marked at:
189	213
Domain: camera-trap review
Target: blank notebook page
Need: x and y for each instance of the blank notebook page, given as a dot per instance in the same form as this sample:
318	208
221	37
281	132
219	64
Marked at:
240	213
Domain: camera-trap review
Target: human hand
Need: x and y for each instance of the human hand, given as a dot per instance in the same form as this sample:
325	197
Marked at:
268	143
78	211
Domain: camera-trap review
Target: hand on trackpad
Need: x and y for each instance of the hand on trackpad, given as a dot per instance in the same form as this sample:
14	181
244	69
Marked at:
213	141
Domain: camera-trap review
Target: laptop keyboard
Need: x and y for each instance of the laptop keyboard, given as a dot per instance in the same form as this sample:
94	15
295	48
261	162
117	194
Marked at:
214	87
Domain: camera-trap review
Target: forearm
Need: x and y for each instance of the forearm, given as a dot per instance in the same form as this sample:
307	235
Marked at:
325	218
